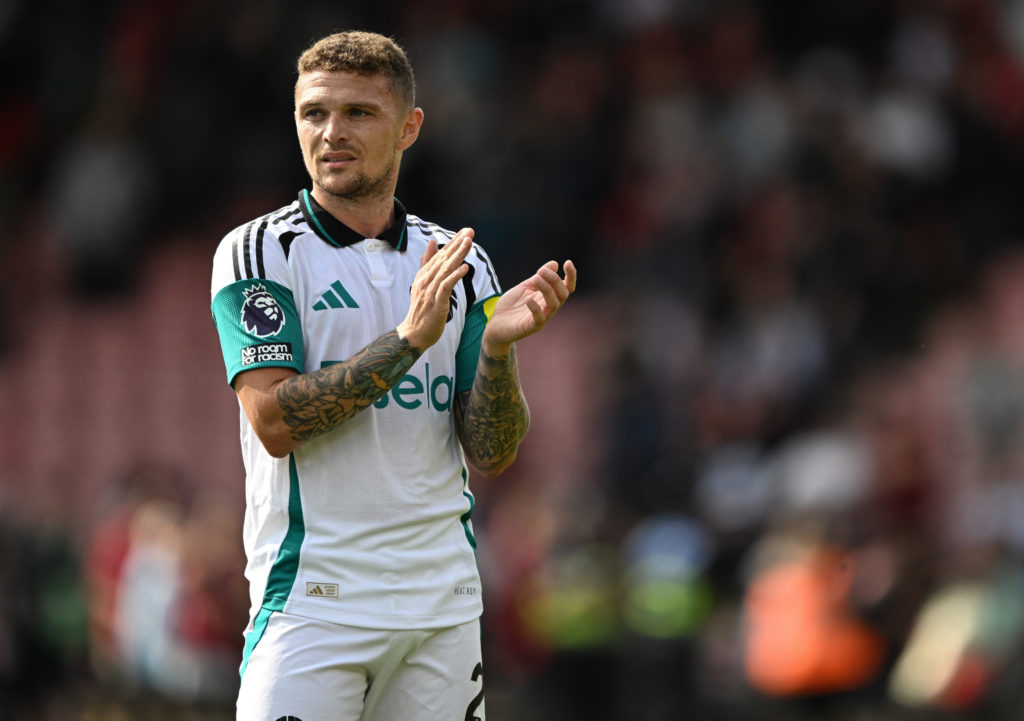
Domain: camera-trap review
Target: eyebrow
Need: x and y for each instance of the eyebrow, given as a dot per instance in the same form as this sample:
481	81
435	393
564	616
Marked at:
362	104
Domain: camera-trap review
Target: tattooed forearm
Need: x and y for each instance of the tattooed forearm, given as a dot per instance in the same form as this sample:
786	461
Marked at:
492	418
316	402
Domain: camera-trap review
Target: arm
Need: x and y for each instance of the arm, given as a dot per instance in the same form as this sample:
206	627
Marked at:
286	408
492	417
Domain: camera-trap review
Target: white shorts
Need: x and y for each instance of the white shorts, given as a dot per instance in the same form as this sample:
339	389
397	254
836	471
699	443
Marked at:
301	669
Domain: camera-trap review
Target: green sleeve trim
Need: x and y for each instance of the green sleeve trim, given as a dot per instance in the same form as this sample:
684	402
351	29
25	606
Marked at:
469	345
258	326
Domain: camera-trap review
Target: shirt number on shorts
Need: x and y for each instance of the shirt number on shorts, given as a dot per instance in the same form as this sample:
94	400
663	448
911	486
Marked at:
478	672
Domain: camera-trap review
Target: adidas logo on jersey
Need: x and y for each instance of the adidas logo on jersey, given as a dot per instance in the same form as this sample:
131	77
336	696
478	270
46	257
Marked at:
322	590
335	297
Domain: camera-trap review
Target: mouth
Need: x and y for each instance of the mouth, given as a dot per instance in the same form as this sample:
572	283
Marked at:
337	160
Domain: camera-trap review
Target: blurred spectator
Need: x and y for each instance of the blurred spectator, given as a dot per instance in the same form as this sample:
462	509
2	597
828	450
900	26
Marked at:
108	549
43	635
166	603
102	195
148	651
965	639
803	637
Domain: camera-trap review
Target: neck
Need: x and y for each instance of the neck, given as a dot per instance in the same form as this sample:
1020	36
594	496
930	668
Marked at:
368	216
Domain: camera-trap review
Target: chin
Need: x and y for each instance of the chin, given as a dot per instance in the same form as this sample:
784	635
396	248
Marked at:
336	187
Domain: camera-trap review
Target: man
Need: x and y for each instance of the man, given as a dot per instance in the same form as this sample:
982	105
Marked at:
372	353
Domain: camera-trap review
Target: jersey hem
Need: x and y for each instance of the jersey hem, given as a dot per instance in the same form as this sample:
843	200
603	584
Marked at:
403	622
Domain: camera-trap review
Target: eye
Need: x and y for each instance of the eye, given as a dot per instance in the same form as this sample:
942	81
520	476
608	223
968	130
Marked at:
313	114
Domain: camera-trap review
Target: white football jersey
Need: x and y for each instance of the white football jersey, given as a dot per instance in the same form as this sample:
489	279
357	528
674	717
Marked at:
369	524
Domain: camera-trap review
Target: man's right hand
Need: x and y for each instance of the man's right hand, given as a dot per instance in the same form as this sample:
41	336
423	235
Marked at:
440	269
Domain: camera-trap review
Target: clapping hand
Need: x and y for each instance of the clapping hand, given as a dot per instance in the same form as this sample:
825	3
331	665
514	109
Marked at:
526	308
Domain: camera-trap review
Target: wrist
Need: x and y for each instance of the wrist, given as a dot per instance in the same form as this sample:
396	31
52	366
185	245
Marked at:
406	333
495	349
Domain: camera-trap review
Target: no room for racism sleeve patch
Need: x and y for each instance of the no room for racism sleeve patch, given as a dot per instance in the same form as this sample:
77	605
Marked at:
258	326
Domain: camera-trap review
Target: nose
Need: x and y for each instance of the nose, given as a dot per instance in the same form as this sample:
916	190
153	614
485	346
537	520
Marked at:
335	129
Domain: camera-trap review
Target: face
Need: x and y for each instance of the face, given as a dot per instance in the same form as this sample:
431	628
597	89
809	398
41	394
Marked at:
352	131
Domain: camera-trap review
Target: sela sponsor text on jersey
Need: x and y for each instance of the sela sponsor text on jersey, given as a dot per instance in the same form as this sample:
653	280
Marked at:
412	391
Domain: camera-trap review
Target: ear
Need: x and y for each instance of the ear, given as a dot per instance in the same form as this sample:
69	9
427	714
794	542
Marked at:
410	128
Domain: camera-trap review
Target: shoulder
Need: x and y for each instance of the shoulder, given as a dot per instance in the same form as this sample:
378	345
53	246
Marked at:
423	231
482	279
254	248
277	224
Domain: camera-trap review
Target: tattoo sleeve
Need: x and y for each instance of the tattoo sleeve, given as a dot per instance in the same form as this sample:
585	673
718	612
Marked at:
492	418
316	402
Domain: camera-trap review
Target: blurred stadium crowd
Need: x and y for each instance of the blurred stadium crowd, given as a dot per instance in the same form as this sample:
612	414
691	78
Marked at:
777	462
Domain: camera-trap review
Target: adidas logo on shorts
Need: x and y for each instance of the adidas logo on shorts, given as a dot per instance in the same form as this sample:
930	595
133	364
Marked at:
322	590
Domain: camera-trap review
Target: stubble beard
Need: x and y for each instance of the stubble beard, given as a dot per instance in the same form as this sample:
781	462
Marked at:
361	187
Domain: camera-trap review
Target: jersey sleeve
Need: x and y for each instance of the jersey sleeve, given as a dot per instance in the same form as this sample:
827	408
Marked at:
483	291
252	303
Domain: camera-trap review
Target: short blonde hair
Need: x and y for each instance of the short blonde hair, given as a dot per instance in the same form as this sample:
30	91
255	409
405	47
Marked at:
364	53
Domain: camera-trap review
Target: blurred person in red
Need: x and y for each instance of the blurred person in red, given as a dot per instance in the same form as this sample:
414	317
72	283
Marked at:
109	547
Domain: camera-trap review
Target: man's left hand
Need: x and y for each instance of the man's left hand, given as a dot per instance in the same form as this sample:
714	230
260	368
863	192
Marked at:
526	308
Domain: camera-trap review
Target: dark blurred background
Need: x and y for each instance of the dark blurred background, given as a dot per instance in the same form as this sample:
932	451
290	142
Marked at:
776	467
